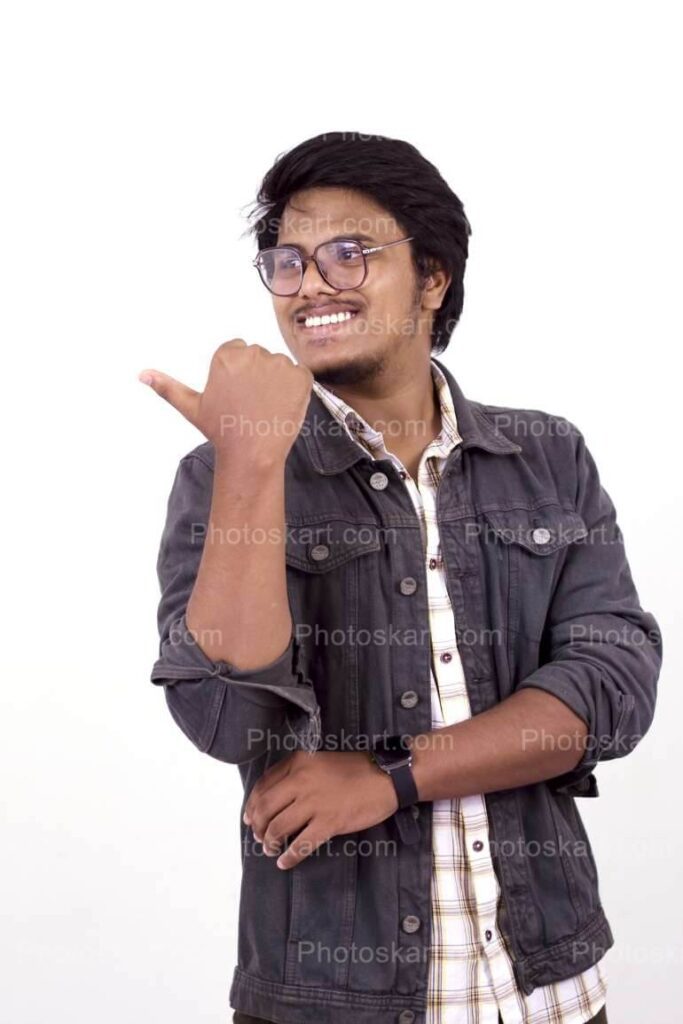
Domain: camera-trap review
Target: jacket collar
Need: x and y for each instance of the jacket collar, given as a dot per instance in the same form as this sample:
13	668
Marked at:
331	449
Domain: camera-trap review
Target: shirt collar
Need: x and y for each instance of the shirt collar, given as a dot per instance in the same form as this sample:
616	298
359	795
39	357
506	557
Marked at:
372	440
330	449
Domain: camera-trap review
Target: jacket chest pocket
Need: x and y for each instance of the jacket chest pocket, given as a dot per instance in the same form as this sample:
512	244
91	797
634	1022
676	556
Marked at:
333	571
319	548
524	550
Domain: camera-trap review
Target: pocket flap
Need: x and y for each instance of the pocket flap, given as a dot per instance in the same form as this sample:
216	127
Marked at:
542	530
319	547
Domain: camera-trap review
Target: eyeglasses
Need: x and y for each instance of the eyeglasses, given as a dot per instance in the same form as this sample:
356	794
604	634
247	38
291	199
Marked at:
342	264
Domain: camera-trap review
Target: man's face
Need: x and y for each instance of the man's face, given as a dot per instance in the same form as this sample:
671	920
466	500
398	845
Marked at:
389	325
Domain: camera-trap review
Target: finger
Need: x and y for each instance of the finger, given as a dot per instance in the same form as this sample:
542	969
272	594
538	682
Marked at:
287	823
179	395
270	777
306	843
266	807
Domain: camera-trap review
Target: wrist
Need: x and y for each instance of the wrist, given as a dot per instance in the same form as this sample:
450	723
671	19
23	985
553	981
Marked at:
393	757
386	785
247	461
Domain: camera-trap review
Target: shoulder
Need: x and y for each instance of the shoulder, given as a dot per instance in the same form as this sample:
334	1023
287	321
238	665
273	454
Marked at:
522	425
203	453
552	458
539	433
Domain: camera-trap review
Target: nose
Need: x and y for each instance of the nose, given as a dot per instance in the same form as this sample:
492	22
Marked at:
314	283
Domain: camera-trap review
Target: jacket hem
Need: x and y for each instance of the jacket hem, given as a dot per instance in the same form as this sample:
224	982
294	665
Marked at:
566	958
304	1004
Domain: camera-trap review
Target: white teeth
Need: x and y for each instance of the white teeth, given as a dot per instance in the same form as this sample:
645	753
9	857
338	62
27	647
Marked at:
332	318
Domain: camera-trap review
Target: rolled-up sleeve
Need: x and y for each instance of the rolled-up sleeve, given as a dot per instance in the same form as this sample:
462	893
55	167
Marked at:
231	714
604	650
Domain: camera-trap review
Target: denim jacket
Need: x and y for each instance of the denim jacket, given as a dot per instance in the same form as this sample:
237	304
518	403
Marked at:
542	596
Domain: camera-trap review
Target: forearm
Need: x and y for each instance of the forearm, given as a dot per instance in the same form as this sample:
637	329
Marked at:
528	737
245	541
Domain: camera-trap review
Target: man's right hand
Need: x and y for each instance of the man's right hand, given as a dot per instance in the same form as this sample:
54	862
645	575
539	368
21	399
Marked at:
254	402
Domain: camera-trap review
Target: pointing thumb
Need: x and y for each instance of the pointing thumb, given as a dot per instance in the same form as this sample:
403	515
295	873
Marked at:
177	394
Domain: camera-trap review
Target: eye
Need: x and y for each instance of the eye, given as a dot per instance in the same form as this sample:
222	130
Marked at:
348	252
286	261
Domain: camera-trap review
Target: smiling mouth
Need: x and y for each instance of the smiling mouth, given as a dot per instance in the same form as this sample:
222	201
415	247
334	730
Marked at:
327	319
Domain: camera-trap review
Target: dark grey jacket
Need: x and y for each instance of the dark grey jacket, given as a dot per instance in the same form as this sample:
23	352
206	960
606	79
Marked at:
542	596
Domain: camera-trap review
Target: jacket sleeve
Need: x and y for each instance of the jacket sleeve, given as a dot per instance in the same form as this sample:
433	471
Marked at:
230	714
605	651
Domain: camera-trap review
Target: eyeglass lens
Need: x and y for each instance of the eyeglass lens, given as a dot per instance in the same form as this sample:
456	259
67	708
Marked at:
342	264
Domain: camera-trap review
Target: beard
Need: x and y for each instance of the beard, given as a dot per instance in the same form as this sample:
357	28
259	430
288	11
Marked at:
364	368
358	370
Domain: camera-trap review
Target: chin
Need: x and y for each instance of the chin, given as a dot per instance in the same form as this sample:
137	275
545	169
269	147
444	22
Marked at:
331	368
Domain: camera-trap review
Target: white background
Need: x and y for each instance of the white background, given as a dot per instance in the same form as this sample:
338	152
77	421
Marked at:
134	137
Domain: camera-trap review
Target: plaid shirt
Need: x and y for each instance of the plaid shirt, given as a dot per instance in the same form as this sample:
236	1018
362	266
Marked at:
470	977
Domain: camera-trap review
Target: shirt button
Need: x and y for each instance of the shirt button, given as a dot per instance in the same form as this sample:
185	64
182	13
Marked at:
409	699
378	481
408	585
446	656
320	552
478	845
489	934
410	923
540	535
433	563
406	1017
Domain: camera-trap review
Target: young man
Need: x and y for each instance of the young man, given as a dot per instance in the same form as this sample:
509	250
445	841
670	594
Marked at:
407	617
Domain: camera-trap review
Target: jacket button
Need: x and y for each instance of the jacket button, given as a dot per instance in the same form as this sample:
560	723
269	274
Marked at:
540	535
378	481
410	923
406	1017
408	585
409	699
319	552
415	811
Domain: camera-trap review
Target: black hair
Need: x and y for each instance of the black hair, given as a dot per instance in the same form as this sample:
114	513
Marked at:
396	175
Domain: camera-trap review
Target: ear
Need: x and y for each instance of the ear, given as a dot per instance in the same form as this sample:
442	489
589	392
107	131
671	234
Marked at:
435	287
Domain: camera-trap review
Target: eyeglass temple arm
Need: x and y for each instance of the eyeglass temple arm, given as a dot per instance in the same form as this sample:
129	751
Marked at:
366	252
376	248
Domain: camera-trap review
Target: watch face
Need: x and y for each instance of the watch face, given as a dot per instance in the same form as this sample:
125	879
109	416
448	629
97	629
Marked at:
392	748
392	744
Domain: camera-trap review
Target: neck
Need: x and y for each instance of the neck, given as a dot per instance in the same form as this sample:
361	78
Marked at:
403	407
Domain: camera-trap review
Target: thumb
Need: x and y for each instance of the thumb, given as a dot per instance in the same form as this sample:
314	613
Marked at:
177	394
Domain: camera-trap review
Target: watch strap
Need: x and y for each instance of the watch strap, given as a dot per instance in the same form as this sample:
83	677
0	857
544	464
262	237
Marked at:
404	784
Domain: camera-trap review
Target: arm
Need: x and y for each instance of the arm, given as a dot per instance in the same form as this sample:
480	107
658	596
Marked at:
233	708
605	654
245	541
528	737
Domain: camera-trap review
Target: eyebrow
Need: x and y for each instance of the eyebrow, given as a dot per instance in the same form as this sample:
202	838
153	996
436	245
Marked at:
336	238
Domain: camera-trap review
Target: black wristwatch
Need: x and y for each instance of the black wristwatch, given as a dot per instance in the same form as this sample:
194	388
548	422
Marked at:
393	755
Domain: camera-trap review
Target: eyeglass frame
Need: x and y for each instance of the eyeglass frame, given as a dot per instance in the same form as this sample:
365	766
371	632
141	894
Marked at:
305	260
